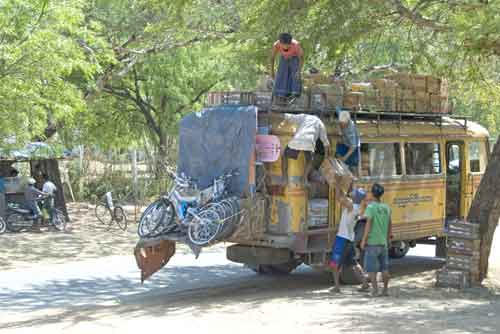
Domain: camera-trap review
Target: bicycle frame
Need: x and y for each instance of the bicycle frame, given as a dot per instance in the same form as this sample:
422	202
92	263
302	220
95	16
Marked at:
189	204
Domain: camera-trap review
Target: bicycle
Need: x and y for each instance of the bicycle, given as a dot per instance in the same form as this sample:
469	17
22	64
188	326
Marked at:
108	213
199	214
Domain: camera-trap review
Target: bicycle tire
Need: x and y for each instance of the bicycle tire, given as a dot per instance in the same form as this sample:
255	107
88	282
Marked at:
3	226
101	212
120	217
153	217
203	232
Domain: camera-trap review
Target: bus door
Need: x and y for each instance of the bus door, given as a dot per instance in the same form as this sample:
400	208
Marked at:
477	158
455	168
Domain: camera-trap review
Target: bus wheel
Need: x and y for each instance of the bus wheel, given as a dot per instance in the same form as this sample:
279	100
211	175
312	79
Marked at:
274	269
399	249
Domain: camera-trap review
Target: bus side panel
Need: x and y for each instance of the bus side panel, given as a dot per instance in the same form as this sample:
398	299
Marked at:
417	207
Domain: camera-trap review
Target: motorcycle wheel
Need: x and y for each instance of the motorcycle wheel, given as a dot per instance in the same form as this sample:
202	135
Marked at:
59	220
12	220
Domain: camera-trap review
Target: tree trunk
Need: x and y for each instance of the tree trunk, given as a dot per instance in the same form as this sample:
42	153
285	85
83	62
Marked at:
485	208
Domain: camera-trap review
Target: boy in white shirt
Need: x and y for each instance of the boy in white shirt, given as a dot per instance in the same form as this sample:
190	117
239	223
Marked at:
343	251
49	188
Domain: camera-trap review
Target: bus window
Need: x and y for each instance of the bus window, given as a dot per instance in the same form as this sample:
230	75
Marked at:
380	159
477	157
422	159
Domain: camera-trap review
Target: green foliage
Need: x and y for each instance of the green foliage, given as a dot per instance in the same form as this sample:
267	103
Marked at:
116	73
39	55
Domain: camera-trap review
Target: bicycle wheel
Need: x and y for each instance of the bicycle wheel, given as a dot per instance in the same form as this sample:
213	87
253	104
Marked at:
204	230
102	214
58	220
3	226
160	212
120	217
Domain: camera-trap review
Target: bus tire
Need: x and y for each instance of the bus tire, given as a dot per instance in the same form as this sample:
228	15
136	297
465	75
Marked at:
399	249
274	269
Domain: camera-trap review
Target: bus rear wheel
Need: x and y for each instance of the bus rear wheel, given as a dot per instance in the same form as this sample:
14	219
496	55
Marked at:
274	269
399	249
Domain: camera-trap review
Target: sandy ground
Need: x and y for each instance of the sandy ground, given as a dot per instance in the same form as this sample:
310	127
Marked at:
44	290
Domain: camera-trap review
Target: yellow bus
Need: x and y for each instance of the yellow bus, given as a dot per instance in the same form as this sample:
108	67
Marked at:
429	165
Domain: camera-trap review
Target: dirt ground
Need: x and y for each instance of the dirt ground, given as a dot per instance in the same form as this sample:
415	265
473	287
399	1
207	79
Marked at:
85	238
299	303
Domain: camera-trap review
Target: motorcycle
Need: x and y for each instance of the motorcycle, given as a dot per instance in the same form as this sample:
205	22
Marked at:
19	217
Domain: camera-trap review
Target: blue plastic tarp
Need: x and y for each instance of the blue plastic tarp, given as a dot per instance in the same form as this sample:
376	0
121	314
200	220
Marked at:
218	140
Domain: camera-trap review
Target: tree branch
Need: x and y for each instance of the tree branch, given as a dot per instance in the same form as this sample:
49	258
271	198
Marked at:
199	96
417	18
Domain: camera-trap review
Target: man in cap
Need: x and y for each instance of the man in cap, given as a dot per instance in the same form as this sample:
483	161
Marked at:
343	248
348	149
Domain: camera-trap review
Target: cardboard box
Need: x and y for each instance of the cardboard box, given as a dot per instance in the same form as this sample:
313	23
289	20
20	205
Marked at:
439	104
327	96
386	102
447	278
386	96
337	174
419	82
318	79
361	86
404	80
405	100
422	102
353	100
437	86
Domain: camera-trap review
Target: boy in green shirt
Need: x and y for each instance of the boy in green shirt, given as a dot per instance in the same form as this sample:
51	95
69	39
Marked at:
376	240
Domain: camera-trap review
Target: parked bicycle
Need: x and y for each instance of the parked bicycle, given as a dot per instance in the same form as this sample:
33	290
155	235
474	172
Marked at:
108	213
201	214
19	217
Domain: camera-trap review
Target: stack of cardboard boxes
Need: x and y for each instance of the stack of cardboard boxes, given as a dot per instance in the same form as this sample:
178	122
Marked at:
421	93
462	260
402	92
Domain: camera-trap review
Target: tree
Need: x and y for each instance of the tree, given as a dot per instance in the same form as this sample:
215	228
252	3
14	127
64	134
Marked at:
167	56
40	57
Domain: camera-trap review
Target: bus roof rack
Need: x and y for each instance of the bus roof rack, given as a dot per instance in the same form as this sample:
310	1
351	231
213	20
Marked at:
372	115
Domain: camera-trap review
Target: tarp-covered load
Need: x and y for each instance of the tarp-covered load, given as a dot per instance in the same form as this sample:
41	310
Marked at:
216	141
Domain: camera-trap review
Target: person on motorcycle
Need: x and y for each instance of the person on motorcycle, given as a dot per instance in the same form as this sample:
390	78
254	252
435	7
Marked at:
31	197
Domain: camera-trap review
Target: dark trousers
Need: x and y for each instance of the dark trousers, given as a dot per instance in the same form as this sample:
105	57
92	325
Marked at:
287	83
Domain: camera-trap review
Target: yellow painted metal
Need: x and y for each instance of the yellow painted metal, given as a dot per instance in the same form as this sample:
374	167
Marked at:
296	198
418	202
293	201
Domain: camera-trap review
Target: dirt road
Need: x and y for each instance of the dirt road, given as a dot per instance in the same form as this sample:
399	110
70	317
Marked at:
212	295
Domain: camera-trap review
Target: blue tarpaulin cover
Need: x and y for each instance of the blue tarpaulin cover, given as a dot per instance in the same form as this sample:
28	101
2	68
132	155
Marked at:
218	140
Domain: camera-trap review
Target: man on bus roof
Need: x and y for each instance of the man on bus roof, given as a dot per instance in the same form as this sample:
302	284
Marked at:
287	82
